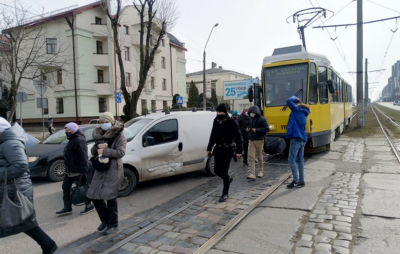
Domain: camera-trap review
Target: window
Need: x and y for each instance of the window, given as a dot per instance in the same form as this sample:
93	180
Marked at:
144	105
43	76
59	76
323	90
214	86
163	42
163	62
153	106
99	47
127	79
102	105
152	83
163	132
126	30
127	54
187	88
164	84
98	21
46	111
165	104
313	92
51	46
60	105
100	77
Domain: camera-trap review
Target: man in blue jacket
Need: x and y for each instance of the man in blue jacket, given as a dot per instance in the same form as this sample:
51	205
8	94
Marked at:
296	132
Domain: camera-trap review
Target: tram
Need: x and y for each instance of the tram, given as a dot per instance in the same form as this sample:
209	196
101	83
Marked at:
309	76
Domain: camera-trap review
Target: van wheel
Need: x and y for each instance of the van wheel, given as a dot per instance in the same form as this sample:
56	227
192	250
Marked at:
210	166
56	171
128	183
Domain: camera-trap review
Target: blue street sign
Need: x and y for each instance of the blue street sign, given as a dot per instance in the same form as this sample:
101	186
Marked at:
117	97
179	100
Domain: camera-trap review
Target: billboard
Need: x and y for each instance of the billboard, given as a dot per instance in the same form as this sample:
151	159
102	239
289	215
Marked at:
238	89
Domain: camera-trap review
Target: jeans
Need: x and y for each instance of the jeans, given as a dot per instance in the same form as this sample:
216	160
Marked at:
296	153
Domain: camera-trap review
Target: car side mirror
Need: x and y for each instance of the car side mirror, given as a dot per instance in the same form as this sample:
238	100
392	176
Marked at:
328	83
149	141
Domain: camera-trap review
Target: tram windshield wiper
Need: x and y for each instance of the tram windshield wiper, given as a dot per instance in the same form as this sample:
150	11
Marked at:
297	94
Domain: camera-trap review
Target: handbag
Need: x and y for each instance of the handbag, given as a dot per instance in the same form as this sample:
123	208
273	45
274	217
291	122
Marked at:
14	212
78	193
97	165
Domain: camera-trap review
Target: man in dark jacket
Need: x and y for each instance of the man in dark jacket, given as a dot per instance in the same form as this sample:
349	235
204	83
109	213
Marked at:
225	131
49	124
296	132
244	122
256	130
76	162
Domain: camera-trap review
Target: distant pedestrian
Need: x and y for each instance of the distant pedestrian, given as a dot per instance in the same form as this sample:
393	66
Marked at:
76	162
225	132
235	114
13	159
244	121
296	132
109	148
49	124
256	130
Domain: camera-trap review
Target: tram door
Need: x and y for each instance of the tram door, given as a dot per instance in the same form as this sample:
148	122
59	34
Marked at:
258	97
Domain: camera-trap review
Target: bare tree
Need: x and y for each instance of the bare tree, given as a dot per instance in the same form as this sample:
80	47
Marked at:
32	53
157	17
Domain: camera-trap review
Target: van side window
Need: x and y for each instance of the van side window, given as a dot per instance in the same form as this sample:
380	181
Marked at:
166	131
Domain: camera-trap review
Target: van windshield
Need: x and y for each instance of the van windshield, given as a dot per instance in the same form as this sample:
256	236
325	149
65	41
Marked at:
132	127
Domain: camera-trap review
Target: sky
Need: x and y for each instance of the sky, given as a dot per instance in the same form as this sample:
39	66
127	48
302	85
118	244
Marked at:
250	30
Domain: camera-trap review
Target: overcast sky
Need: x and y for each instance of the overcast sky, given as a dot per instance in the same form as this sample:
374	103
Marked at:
250	30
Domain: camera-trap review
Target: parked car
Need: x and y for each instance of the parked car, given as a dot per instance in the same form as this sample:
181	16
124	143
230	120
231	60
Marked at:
94	121
161	145
396	103
46	159
31	141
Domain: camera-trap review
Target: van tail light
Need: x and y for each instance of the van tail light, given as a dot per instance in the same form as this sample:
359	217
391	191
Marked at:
311	124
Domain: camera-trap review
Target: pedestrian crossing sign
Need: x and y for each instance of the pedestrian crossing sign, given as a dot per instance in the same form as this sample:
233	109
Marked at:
179	100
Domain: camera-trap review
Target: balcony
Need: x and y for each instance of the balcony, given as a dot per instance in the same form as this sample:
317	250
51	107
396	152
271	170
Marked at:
104	88
101	60
135	40
100	30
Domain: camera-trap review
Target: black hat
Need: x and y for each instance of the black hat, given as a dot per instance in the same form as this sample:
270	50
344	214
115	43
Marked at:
222	108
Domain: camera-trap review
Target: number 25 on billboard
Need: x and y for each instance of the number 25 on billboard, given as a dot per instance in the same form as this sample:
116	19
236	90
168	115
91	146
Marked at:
230	91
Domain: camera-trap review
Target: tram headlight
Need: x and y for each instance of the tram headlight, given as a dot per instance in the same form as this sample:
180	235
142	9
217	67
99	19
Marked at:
272	127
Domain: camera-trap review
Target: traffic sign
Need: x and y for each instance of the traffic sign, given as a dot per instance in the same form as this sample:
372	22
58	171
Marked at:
21	97
179	100
117	97
237	90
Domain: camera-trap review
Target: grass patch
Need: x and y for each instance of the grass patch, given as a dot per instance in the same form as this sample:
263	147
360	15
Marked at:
370	128
392	130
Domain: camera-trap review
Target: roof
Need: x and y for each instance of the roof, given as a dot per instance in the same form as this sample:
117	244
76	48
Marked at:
299	55
215	71
175	42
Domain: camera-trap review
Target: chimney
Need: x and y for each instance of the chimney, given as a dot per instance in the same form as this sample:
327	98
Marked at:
220	67
213	65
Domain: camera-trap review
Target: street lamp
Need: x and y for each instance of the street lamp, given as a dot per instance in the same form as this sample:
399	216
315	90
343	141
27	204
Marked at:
204	71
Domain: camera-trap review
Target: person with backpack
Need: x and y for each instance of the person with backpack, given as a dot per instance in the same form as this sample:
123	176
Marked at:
257	129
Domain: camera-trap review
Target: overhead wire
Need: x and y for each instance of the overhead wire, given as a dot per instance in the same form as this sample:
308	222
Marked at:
383	6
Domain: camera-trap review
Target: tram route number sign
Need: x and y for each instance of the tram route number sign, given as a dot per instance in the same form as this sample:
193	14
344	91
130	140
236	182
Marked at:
238	89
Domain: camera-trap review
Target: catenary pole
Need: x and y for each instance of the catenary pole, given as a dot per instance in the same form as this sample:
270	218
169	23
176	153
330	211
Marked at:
366	85
360	94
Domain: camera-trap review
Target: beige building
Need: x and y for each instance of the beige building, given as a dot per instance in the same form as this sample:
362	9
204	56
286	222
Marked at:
217	76
92	78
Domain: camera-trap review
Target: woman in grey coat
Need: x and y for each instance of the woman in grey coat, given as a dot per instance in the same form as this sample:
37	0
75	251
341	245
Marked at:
14	159
110	145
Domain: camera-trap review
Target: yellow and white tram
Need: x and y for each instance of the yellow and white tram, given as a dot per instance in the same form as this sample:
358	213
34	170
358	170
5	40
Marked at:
294	71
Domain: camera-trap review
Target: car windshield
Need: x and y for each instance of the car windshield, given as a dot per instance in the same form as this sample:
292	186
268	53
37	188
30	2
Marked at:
282	82
60	137
132	127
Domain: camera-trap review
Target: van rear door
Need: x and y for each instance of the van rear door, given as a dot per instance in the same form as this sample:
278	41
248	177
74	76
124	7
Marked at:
165	157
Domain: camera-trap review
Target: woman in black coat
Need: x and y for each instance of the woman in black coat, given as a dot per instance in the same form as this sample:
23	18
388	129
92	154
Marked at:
76	162
14	159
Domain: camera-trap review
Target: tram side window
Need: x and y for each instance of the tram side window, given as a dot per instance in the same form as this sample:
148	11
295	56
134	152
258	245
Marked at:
323	90
313	94
340	91
332	77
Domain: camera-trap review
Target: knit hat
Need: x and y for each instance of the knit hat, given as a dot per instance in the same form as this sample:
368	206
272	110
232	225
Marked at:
234	113
72	126
4	124
222	108
107	116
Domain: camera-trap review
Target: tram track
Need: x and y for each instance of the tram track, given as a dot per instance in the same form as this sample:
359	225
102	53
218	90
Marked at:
384	131
259	197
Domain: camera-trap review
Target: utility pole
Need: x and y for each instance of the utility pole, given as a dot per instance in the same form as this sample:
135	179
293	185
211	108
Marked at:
366	85
360	94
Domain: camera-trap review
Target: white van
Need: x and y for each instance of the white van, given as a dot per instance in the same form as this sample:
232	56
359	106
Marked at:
161	145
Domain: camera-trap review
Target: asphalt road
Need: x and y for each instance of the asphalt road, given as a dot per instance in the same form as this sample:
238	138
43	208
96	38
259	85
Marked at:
67	229
389	105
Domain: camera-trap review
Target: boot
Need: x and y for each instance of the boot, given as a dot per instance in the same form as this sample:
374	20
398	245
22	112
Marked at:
251	176
66	210
260	174
51	249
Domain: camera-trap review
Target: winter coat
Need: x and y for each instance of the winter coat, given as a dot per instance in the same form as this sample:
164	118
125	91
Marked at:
49	122
296	127
14	159
105	184
244	122
224	133
76	154
259	123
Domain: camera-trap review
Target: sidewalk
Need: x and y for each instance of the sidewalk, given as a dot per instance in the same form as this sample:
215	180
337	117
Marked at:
350	204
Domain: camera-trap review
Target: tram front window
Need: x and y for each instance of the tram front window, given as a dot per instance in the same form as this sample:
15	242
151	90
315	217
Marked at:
282	82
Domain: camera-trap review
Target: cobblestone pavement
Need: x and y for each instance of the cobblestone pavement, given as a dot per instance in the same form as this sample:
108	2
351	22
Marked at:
190	228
